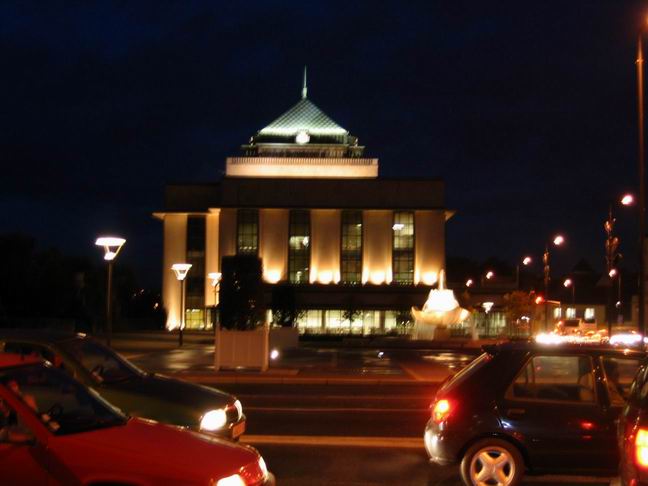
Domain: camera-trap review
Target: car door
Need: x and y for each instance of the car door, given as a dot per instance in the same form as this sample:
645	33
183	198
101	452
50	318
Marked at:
552	406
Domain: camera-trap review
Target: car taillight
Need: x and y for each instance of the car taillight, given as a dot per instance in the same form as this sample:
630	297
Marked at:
641	448
441	410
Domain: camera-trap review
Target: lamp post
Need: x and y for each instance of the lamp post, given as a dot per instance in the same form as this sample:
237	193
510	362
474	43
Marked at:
642	181
111	246
557	241
214	280
181	270
614	273
569	283
526	261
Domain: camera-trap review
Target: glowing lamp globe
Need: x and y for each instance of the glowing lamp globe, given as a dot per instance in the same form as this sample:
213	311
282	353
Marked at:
111	246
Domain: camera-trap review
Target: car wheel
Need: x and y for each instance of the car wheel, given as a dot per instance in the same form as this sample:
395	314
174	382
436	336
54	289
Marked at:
492	462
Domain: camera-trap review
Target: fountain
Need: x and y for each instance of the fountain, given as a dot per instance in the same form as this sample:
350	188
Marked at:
440	310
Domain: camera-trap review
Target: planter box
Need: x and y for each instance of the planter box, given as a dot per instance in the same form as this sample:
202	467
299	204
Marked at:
241	349
284	338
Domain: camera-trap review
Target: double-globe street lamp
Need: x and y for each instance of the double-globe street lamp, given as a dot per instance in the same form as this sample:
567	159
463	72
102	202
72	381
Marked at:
181	270
111	246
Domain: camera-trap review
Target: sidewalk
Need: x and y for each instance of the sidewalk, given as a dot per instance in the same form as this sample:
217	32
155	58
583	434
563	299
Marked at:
308	364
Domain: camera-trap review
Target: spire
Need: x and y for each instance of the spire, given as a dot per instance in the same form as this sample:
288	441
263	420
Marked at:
304	88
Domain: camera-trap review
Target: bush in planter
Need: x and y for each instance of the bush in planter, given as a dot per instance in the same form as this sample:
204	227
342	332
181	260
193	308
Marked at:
241	293
285	311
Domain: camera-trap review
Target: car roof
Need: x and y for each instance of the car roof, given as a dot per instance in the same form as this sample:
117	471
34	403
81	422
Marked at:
566	348
9	360
39	335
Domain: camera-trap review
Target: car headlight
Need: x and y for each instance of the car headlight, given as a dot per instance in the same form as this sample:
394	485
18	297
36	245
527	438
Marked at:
234	480
239	408
253	473
213	420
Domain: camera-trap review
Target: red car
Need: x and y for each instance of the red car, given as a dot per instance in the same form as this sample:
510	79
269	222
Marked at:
56	431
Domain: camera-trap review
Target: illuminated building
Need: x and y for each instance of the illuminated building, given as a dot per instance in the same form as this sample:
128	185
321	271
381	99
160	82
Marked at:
305	199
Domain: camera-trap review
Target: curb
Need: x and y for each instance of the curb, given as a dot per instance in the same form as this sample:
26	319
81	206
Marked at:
300	380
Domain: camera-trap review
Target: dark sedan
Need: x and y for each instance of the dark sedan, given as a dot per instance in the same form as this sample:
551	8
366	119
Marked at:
527	407
134	391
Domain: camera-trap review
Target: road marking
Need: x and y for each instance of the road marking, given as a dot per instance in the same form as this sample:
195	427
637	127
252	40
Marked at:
335	409
336	397
336	441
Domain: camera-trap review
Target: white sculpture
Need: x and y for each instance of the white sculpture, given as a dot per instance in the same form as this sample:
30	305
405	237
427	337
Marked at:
440	309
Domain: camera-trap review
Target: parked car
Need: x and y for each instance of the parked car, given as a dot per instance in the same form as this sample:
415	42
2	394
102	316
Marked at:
54	430
134	391
523	407
633	434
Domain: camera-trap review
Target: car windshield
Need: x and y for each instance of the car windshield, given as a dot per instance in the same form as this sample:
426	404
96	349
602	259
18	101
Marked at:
103	363
62	404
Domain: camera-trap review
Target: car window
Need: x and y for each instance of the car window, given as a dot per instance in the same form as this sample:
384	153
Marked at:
468	371
29	349
555	378
63	405
619	374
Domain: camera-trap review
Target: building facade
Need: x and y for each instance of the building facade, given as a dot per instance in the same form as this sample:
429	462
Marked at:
303	197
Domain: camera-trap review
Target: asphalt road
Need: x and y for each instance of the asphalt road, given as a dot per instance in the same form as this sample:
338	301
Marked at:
350	435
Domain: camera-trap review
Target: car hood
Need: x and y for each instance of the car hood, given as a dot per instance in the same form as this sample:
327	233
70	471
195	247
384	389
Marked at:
148	449
173	390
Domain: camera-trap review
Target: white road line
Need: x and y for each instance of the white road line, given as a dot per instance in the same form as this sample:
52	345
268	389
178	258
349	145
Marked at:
335	409
326	440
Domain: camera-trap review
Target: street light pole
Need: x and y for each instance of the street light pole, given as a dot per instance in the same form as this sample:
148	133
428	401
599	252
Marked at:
181	270
557	241
642	182
215	278
111	246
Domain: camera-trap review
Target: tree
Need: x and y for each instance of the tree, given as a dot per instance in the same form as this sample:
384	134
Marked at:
241	293
517	306
285	311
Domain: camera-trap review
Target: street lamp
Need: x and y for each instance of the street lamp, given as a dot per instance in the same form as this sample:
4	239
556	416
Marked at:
641	176
569	283
557	241
181	270
469	282
214	280
111	246
526	261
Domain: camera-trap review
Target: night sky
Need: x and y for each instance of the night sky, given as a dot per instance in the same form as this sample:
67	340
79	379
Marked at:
526	109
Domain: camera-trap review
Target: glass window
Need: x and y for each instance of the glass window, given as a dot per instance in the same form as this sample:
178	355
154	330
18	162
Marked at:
619	374
557	313
247	231
403	247
556	378
351	254
299	247
62	404
570	313
590	315
195	286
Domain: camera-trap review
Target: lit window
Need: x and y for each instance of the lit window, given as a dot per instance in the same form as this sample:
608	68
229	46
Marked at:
557	312
570	313
247	231
351	254
299	246
590	315
403	247
195	282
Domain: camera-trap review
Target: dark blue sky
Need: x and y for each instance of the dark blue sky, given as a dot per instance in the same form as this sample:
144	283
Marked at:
526	109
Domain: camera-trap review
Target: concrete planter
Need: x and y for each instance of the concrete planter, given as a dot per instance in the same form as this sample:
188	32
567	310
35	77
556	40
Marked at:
284	338
246	349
